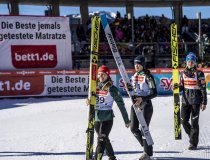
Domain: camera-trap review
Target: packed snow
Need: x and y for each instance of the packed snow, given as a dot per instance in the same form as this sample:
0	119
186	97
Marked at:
55	129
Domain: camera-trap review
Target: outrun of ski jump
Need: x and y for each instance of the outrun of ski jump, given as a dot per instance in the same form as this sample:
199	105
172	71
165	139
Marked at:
105	124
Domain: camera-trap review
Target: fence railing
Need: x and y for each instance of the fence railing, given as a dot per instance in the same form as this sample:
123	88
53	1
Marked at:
155	53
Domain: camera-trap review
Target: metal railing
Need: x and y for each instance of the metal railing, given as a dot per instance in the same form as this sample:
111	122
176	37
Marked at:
154	53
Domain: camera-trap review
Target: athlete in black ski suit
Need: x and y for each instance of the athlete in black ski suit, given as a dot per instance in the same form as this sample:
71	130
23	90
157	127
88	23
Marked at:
145	89
194	98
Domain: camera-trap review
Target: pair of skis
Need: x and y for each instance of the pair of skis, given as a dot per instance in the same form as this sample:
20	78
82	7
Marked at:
175	75
95	31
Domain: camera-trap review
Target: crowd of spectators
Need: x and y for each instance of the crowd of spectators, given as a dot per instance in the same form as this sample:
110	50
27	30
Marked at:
147	30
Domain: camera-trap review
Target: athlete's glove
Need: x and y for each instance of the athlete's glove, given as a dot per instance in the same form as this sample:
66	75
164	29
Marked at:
202	107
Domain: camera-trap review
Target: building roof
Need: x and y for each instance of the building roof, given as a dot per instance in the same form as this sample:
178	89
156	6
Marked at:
114	3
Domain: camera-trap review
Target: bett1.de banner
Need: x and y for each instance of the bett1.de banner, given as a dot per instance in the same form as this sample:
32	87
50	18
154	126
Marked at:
35	42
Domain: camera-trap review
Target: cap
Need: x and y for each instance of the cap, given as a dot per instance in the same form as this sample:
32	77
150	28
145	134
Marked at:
191	56
104	69
140	60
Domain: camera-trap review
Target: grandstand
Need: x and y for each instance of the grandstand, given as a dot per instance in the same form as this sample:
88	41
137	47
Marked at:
151	35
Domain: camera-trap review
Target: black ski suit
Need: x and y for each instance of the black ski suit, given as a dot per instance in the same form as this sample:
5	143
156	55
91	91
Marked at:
144	86
194	94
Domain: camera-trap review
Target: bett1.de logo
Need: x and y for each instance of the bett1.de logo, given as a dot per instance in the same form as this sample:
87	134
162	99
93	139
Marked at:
34	56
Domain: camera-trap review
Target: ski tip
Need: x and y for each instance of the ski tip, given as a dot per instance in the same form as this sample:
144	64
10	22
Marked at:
103	18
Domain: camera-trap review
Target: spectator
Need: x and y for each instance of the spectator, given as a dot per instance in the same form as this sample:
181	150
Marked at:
149	54
181	45
163	21
81	33
185	29
205	43
119	34
153	22
185	21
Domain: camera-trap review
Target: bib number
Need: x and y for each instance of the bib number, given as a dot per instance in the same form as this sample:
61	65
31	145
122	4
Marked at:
100	100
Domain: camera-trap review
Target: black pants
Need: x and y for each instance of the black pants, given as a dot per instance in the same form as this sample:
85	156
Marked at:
103	129
147	112
192	129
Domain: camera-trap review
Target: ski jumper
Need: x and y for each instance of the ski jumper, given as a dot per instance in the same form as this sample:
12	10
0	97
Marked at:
144	87
104	117
193	85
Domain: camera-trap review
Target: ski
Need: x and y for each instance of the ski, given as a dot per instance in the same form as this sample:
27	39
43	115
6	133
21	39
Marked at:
124	75
175	75
92	85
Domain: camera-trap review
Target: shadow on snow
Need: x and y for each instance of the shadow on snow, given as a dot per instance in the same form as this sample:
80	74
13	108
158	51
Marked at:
8	103
25	154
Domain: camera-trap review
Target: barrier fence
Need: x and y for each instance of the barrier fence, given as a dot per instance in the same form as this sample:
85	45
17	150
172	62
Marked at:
157	54
28	83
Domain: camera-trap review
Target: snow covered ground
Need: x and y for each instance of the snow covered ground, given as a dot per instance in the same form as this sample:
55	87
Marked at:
54	129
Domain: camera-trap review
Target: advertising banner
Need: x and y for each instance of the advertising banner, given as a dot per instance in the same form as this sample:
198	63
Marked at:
35	42
66	85
163	84
71	82
208	82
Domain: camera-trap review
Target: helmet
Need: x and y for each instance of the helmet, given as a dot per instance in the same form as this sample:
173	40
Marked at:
140	60
191	56
104	69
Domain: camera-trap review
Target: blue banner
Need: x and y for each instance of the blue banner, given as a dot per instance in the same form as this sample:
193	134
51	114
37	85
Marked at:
163	83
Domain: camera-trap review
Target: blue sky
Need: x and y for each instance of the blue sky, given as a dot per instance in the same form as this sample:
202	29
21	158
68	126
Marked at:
190	12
